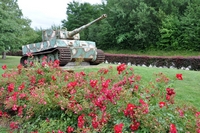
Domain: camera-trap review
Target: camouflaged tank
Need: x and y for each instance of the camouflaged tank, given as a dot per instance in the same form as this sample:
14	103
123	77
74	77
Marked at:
64	46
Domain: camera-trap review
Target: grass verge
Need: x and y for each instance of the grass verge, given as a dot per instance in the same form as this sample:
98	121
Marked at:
10	61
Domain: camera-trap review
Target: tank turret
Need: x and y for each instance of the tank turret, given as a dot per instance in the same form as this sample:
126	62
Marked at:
64	46
64	34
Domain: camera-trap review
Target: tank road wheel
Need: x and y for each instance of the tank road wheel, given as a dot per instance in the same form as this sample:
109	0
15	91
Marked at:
56	55
64	55
36	58
100	57
50	58
41	58
23	60
29	60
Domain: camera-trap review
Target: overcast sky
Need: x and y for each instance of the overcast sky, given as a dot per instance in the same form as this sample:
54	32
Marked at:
45	13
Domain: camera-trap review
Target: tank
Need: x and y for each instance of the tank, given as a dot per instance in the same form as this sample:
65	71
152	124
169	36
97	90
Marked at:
64	46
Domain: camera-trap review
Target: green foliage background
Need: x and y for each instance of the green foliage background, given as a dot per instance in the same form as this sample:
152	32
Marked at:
139	24
15	29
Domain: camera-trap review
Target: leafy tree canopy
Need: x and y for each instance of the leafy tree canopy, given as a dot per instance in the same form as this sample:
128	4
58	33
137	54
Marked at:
15	30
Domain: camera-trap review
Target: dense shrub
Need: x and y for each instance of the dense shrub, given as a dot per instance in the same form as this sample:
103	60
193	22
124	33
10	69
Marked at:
45	98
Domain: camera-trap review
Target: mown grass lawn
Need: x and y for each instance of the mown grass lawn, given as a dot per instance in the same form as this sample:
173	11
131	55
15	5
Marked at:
187	90
10	61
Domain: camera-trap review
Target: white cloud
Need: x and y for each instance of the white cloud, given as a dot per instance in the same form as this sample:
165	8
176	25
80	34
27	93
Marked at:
45	13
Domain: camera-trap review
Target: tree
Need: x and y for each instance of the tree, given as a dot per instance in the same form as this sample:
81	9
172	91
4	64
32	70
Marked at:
180	29
169	30
12	26
190	27
28	35
135	24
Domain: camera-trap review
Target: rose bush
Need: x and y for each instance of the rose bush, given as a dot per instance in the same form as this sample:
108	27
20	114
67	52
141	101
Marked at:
45	98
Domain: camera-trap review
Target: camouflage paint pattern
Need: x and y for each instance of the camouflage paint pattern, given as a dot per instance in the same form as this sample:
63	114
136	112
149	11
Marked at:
79	49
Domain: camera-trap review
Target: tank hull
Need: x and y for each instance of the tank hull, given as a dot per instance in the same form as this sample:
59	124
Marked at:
65	51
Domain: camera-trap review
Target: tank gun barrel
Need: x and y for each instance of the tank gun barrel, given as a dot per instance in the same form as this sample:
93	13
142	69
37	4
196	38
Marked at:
72	33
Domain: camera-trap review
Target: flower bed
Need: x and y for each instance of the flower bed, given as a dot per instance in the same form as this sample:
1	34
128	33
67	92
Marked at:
45	98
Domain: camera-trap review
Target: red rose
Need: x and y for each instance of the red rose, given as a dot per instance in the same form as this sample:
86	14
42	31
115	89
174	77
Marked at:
118	128
161	104
179	76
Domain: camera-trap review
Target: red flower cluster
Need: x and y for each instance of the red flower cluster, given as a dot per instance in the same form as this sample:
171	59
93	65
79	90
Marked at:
95	123
129	111
121	68
103	71
41	81
70	129
56	63
81	121
4	67
93	83
197	115
173	128
1	113
118	128
161	104
40	72
33	79
106	83
144	107
72	84
13	125
179	76
14	107
135	125
181	113
21	87
170	94
11	87
53	77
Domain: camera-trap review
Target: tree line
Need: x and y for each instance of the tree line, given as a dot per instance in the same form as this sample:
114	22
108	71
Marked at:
139	24
131	24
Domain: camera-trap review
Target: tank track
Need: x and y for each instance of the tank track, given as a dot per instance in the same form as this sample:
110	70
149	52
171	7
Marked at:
23	59
64	55
100	57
